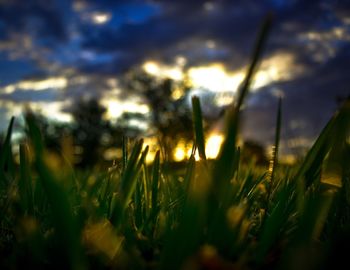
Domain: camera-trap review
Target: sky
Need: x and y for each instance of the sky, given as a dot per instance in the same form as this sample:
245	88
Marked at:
54	52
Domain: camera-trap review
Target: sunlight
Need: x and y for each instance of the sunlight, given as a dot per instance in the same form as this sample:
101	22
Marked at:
51	82
182	151
113	153
177	93
100	17
215	78
332	178
115	107
279	67
164	71
179	154
152	143
52	110
151	67
213	144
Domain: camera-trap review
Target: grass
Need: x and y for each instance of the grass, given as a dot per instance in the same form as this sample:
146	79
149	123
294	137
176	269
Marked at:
220	214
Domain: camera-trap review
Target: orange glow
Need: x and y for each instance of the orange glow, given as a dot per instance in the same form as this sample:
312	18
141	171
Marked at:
51	82
179	154
215	77
164	71
152	143
115	107
213	143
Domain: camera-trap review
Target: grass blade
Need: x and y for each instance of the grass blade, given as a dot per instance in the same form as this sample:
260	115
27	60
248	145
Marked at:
25	182
6	163
155	188
274	159
65	224
227	151
198	126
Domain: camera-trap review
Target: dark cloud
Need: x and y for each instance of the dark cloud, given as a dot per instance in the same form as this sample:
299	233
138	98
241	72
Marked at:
11	71
308	104
22	96
53	36
42	18
178	23
182	27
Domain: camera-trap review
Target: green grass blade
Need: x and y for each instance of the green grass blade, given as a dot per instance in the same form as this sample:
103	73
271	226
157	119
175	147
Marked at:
128	183
66	227
155	187
275	150
257	52
313	159
228	151
315	215
127	179
335	166
6	153
25	182
125	153
273	222
198	126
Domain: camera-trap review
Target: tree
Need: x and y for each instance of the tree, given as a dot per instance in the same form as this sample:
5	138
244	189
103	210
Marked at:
253	150
171	119
89	129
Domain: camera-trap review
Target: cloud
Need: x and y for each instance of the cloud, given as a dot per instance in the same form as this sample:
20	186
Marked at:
41	18
61	38
21	96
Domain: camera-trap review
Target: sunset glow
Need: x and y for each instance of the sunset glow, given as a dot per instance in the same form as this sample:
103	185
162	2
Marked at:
164	71
212	147
50	82
115	107
215	78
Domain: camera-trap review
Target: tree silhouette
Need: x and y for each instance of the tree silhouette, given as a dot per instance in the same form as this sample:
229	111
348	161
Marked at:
254	151
171	119
88	130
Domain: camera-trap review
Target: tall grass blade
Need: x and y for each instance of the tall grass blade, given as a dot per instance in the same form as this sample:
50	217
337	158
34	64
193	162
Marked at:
25	182
125	153
64	222
256	55
275	150
198	126
155	187
274	221
6	162
128	183
312	161
228	149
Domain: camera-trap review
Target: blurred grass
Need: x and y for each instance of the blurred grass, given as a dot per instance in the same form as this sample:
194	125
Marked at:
217	214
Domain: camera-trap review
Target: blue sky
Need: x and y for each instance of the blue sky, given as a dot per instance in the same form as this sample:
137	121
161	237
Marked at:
79	47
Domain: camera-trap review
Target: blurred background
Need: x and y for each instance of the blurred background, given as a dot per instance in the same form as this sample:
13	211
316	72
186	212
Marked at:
94	70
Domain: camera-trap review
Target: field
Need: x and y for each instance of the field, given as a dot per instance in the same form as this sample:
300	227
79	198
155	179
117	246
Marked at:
217	214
